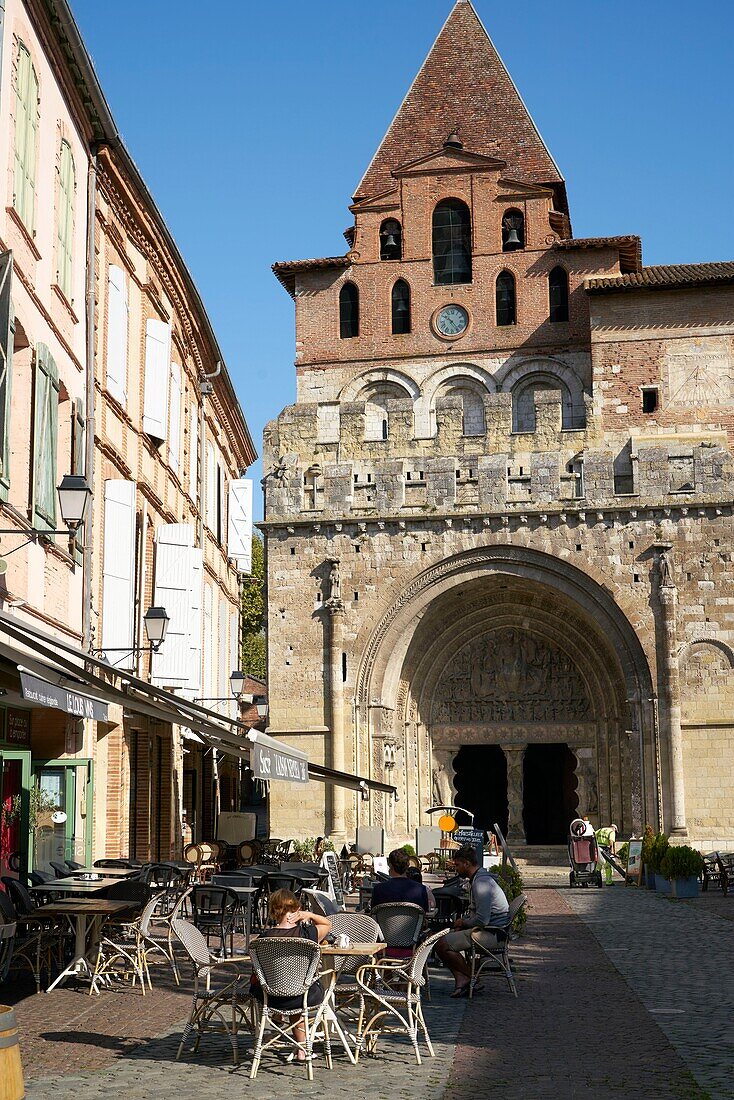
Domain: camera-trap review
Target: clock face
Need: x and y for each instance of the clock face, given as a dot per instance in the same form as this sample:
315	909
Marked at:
452	321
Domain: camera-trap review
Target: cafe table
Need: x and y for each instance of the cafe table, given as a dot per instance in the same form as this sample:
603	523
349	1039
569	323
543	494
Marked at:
88	915
73	885
107	872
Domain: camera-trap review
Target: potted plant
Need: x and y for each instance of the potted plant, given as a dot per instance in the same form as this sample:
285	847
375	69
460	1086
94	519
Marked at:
658	849
647	839
682	866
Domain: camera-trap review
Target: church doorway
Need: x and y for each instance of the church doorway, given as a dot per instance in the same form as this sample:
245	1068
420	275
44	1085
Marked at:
481	784
550	801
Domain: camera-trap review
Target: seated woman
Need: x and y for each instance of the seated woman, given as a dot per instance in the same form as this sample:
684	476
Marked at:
289	920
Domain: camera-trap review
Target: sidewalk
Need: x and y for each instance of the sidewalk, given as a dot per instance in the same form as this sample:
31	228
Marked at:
596	973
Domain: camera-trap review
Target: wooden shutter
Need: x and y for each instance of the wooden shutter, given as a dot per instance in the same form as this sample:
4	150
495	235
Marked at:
223	669
26	132
174	417
195	619
220	505
239	533
45	438
174	543
211	487
117	327
65	220
157	354
208	618
235	661
6	358
78	464
194	455
118	570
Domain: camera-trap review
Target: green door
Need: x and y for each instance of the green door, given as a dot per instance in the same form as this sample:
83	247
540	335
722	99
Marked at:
15	783
63	818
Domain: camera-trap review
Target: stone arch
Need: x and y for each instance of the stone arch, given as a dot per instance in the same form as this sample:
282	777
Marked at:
358	388
452	379
548	373
684	651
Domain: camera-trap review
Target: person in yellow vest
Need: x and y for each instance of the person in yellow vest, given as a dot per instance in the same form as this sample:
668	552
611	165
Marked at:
607	838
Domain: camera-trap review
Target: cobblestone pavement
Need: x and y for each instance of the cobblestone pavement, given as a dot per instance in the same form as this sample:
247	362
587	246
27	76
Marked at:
546	1045
678	957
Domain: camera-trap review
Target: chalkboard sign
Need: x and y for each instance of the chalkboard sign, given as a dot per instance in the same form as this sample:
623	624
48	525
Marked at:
634	862
473	837
329	861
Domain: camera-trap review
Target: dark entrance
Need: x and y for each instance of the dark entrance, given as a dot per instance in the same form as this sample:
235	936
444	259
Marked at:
549	793
481	784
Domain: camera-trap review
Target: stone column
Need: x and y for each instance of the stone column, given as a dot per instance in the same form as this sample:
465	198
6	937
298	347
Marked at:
514	755
335	611
668	602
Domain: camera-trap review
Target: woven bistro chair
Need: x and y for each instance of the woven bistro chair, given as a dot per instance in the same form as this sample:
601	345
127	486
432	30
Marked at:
7	942
218	1009
491	944
361	929
37	940
289	967
380	1002
401	923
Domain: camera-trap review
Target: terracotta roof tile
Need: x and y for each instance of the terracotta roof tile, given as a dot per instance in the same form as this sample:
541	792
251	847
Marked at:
629	247
286	270
463	85
664	276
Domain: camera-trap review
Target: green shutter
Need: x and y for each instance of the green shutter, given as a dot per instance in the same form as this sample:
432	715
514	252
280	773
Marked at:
26	127
45	439
7	327
65	219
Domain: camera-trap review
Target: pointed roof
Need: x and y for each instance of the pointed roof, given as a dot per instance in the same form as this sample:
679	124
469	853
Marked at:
463	86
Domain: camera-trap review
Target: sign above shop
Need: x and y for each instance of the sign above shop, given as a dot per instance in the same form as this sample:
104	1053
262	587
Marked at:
43	694
271	759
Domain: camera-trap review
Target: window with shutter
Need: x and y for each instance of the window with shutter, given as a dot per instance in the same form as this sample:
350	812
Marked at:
194	455
223	669
211	487
220	505
6	359
118	571
239	531
78	463
174	417
195	619
208	616
45	438
25	139
65	219
157	370
117	328
235	660
174	543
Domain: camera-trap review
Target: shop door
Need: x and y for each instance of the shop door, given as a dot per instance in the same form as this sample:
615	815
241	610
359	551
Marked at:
63	825
15	779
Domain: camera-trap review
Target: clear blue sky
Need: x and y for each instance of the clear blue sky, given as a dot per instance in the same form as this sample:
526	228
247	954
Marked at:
252	124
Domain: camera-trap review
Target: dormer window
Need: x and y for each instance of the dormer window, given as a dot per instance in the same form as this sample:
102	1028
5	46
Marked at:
451	243
391	240
513	231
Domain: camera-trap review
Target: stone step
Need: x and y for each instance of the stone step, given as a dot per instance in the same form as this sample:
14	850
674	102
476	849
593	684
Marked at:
540	855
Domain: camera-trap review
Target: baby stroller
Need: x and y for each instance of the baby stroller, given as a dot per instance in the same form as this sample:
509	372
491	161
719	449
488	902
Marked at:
583	855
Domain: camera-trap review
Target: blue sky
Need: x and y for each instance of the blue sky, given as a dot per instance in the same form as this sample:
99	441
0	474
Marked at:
252	124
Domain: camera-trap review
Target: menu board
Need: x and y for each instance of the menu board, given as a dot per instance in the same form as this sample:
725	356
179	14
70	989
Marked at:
634	861
329	861
473	837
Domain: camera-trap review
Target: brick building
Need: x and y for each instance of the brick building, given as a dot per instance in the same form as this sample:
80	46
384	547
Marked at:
499	515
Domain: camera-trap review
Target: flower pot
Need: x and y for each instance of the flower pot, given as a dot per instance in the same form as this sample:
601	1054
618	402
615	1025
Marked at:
662	885
684	887
649	878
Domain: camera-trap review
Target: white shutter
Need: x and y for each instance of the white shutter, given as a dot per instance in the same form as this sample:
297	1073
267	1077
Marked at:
157	351
234	654
174	417
211	488
174	544
116	366
222	658
118	571
208	617
194	455
195	626
239	533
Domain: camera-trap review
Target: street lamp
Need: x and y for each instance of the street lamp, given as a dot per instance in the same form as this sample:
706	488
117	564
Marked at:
74	494
262	706
237	683
156	623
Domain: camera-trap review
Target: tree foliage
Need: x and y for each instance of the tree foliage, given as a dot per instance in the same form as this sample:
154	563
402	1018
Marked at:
253	615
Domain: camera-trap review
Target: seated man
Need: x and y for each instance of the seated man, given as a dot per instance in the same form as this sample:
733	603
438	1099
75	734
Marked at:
399	887
488	906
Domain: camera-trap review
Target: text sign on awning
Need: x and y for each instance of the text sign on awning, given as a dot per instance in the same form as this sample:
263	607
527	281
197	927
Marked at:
271	763
43	694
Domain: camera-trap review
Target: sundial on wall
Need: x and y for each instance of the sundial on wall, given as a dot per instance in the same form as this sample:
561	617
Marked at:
700	372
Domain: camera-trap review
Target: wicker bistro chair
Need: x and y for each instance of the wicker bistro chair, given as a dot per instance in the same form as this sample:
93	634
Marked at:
289	967
492	945
126	947
7	942
38	941
380	1001
219	1009
401	923
361	929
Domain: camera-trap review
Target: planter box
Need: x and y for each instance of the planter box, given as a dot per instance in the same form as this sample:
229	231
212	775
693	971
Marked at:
662	885
649	878
684	887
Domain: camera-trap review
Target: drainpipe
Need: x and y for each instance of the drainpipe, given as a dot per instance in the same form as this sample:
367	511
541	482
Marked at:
90	303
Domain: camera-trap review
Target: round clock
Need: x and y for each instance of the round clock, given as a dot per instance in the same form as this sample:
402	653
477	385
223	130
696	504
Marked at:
451	321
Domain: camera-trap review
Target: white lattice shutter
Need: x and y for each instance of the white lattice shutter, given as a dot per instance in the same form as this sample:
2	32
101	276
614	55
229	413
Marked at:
208	623
234	652
157	354
117	326
174	417
174	543
222	655
195	624
239	532
118	571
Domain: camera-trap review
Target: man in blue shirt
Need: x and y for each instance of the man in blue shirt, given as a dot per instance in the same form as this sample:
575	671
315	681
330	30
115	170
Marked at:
488	907
399	887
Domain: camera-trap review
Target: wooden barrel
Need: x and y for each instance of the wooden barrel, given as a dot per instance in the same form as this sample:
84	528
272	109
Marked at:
11	1071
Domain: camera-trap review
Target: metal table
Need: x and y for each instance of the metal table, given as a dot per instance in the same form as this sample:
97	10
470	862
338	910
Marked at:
94	910
75	886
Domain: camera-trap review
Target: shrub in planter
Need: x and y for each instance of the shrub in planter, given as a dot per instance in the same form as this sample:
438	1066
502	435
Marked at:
647	839
658	847
511	882
682	866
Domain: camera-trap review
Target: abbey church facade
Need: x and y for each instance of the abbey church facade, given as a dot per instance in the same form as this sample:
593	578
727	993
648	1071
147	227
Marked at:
498	521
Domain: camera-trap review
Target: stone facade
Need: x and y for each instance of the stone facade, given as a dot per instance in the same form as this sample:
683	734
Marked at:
520	536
